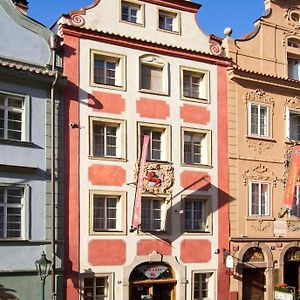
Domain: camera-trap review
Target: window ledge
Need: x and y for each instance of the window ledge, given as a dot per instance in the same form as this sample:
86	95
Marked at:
169	31
18	143
104	233
106	86
154	232
196	166
154	92
291	142
259	137
107	158
196	100
260	218
198	233
132	23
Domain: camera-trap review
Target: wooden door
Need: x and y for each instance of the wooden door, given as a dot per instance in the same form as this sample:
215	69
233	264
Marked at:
253	284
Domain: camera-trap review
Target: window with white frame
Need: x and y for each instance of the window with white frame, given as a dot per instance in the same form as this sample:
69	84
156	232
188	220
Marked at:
153	75
132	12
196	146
153	214
259	198
106	211
203	286
107	138
258	119
12	117
168	21
293	124
196	214
107	69
194	84
158	147
12	212
95	288
294	68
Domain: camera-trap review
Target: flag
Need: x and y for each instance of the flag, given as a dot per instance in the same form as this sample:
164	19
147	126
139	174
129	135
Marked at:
137	209
289	197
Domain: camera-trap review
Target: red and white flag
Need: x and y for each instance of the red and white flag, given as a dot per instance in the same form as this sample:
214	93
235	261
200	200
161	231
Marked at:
137	210
289	197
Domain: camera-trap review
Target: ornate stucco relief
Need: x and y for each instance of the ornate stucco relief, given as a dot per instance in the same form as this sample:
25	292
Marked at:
259	96
261	225
260	146
292	15
259	172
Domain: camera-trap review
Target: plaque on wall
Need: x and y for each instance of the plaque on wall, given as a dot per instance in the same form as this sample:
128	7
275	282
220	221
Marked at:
279	228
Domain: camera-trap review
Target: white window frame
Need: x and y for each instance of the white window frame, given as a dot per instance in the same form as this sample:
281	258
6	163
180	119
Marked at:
290	111
24	111
24	205
205	146
171	15
120	138
154	62
165	140
133	5
211	284
293	68
204	83
118	59
206	214
258	134
268	200
109	285
120	212
163	214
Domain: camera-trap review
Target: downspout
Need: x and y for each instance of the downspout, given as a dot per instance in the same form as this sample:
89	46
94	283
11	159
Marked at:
54	45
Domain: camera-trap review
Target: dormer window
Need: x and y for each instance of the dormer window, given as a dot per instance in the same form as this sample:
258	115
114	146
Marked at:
132	12
168	21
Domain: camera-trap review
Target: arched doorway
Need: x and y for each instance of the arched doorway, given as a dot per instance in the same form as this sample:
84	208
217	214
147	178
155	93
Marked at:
253	275
292	268
155	281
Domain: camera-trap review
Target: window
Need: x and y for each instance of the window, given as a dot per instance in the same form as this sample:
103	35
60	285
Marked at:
12	209
258	119
259	199
196	214
293	43
294	68
293	125
132	12
194	84
168	21
107	138
95	288
203	286
158	147
107	69
153	214
196	146
153	76
106	211
12	117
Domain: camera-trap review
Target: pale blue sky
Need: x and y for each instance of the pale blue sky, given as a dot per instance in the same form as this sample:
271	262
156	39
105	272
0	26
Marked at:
213	16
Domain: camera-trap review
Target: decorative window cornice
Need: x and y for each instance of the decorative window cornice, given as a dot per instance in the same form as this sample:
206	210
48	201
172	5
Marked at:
260	173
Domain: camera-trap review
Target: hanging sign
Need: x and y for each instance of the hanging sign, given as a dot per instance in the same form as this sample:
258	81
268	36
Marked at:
289	197
152	272
137	210
229	262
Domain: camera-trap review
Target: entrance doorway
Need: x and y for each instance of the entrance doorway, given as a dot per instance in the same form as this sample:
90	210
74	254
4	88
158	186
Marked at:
253	284
153	281
292	268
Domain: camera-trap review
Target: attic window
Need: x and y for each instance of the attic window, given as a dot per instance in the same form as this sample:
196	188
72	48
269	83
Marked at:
295	17
294	43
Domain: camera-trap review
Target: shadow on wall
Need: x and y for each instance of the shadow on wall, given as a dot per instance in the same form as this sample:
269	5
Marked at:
6	294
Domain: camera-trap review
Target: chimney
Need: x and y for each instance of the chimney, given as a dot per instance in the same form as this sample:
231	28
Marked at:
22	5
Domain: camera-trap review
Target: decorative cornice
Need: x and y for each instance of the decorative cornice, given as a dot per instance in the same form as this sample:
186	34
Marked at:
260	172
144	45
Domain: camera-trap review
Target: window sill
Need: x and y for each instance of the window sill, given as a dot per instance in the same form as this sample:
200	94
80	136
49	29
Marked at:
144	91
260	218
154	232
103	233
107	158
196	166
142	24
169	31
198	233
106	86
18	143
259	137
196	100
291	142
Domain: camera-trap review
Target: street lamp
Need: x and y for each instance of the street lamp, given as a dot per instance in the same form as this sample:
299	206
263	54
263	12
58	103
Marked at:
43	266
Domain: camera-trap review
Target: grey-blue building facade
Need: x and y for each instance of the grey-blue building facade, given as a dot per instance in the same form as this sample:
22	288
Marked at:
31	203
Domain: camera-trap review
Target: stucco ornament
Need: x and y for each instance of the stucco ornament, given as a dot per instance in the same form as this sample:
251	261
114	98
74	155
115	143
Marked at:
287	157
259	172
293	16
261	225
260	146
293	102
158	179
76	20
215	48
259	96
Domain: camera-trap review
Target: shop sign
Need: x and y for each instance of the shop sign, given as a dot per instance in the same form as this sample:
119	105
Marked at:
152	272
279	228
283	296
229	262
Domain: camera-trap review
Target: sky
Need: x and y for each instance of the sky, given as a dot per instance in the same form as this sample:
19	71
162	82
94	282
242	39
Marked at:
213	17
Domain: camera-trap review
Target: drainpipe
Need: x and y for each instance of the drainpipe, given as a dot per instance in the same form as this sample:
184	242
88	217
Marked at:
54	45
